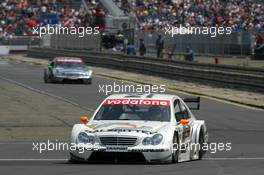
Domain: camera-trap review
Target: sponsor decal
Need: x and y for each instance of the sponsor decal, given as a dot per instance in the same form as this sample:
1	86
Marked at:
148	102
91	126
76	60
117	126
117	148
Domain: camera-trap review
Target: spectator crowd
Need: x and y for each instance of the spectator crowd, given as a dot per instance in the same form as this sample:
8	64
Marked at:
18	17
156	14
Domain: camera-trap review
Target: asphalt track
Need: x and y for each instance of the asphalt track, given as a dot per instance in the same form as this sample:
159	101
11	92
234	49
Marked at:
242	127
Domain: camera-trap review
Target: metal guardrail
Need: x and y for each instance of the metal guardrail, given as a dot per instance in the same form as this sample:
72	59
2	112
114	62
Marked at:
64	41
223	76
21	41
238	43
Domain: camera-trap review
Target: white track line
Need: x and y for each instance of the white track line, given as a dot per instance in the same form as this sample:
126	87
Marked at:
46	93
31	143
234	158
33	160
216	158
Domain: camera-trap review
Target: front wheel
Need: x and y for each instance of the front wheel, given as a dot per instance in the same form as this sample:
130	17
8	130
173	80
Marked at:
175	147
201	143
46	78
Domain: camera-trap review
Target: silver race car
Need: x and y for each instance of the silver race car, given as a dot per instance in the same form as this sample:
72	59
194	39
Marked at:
152	127
65	68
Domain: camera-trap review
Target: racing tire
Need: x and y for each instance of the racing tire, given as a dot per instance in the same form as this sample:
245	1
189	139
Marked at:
201	142
46	78
175	147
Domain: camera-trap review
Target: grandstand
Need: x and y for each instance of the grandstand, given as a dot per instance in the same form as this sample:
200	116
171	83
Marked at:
17	18
154	15
246	17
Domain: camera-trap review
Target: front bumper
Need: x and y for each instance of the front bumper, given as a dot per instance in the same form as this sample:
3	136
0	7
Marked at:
150	153
61	78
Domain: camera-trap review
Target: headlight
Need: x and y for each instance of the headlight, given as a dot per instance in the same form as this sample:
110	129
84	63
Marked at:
85	138
146	141
154	140
56	72
88	73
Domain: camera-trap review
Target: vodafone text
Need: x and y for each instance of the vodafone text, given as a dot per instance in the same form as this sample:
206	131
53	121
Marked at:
137	102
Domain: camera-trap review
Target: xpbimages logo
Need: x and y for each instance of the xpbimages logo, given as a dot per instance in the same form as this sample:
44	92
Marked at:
50	146
42	147
130	88
57	30
211	31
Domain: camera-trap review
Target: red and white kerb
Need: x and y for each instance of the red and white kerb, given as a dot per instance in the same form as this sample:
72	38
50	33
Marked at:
150	102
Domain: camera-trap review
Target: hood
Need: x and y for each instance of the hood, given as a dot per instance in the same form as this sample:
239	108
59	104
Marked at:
141	126
77	69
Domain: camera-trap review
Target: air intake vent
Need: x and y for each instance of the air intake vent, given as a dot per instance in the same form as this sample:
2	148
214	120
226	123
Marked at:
118	141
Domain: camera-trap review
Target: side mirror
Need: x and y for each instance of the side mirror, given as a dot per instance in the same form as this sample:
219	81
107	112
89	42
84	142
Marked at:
184	121
84	119
181	114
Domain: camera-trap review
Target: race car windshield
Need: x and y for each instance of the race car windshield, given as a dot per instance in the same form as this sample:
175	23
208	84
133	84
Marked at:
70	65
133	112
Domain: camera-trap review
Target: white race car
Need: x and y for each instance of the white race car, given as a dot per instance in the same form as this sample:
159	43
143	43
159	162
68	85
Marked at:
149	127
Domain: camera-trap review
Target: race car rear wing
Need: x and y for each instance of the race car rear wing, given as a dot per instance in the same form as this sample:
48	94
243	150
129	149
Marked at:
193	100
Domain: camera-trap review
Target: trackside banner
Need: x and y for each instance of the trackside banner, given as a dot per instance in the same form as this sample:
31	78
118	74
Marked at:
137	102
